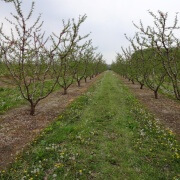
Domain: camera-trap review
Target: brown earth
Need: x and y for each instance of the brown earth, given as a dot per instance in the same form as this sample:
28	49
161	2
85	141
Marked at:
165	109
18	128
5	82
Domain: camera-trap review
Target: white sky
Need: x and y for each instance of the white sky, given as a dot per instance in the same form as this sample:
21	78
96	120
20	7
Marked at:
108	20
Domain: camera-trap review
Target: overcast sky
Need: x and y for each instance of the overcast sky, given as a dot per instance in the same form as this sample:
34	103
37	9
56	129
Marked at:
108	20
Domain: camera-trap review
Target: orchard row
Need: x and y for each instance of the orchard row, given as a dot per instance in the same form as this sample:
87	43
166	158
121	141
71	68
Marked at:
30	58
153	58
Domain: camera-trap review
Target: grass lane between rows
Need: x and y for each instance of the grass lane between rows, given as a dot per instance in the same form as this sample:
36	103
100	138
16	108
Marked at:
104	134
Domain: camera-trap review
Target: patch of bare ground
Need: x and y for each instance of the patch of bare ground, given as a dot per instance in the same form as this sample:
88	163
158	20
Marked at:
164	108
6	82
18	128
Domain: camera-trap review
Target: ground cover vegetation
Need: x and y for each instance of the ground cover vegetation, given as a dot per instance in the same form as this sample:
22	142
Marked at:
95	139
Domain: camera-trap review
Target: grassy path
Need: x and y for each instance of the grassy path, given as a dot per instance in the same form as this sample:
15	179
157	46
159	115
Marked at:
105	134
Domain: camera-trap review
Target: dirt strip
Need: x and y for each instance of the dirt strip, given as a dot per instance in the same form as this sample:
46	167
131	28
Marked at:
165	109
18	128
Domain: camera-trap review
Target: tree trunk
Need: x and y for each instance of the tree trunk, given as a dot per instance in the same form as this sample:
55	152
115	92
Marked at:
176	92
32	111
141	85
65	91
79	83
132	81
156	94
90	77
85	79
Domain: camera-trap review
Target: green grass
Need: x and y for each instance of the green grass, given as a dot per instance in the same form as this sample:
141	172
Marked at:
104	134
11	97
167	90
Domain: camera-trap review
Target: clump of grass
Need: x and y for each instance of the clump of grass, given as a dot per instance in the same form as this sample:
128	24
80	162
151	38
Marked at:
157	144
9	97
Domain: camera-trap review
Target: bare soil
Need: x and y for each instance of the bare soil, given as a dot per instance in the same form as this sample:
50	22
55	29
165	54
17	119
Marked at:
18	129
165	109
6	82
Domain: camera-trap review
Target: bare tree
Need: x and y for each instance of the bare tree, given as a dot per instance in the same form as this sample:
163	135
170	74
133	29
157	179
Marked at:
27	56
166	44
131	72
65	66
99	62
89	56
80	58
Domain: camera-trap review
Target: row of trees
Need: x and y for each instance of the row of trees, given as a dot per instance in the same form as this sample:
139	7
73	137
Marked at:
153	57
31	59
